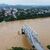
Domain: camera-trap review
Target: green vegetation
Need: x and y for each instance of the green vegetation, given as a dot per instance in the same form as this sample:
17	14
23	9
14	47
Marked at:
17	48
20	48
48	46
21	14
9	18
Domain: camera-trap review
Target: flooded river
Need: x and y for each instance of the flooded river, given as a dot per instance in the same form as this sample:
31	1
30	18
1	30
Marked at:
10	33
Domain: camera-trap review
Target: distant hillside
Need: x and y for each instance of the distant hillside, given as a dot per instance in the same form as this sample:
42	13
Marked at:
22	6
15	6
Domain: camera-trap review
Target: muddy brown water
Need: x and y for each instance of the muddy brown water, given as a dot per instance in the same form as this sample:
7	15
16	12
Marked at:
10	33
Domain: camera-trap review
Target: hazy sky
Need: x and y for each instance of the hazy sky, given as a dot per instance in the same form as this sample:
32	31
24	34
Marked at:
26	2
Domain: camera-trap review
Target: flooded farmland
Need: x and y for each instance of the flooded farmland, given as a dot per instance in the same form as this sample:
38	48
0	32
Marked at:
10	33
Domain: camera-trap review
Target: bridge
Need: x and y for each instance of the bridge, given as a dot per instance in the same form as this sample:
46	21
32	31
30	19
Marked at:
32	37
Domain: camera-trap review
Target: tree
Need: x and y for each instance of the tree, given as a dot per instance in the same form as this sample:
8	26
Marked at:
48	46
17	48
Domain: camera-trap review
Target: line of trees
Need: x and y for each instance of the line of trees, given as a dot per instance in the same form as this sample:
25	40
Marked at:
22	15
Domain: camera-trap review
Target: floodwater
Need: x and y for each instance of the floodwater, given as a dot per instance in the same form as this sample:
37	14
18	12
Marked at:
10	33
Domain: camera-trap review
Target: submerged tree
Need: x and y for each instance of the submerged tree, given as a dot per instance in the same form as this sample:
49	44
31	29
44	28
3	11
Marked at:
48	46
17	48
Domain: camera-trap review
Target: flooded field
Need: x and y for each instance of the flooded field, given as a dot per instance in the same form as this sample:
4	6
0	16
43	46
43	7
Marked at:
10	33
